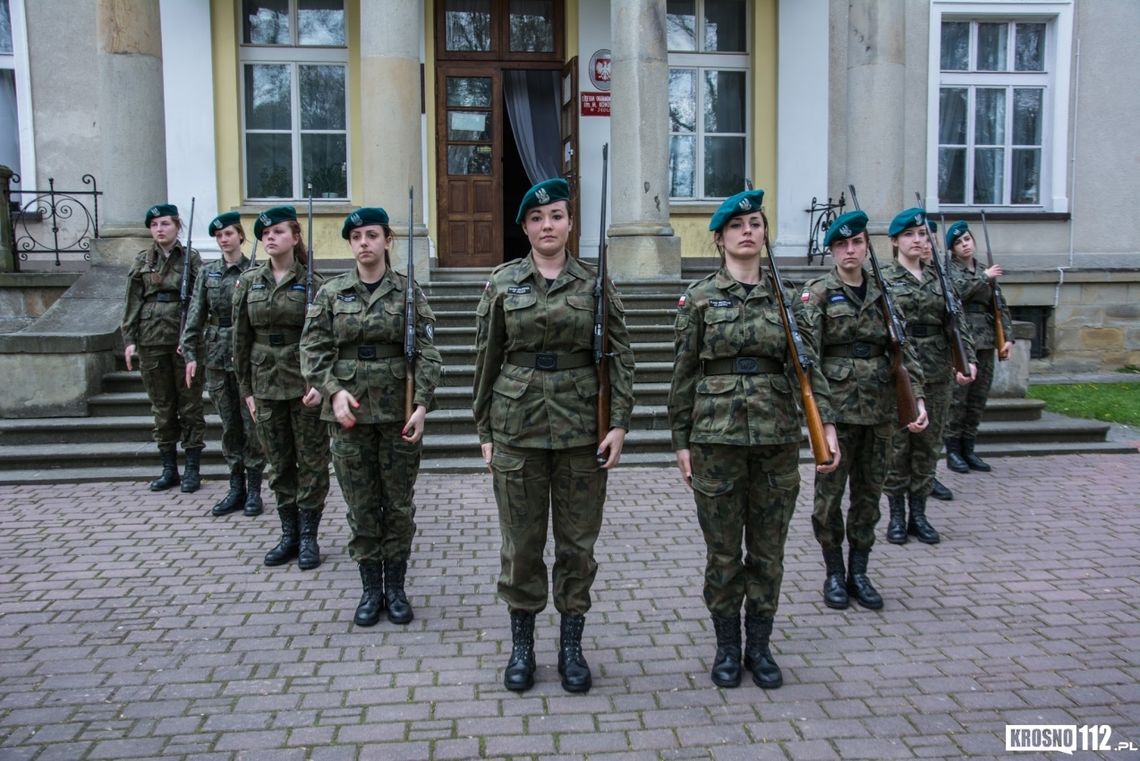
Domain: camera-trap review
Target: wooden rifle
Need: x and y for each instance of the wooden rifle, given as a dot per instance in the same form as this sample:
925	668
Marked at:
601	338
999	328
310	292
184	296
907	405
410	316
958	354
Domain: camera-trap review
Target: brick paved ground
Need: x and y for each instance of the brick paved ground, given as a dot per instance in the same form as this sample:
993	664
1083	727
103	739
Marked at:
133	626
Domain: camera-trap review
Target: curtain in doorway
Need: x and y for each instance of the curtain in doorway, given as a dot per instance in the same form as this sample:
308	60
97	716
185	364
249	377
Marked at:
532	102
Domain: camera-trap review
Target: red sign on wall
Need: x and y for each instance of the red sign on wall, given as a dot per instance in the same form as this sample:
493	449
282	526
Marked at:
595	104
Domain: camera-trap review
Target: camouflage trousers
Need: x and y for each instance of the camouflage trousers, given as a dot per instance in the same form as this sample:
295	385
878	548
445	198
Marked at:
377	474
296	444
914	456
178	413
240	445
863	453
744	494
568	486
969	401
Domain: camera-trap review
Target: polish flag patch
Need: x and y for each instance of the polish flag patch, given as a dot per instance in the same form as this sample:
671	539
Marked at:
805	297
681	301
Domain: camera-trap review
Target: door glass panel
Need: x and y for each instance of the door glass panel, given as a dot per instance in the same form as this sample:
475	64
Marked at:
469	92
467	25
320	22
266	22
681	24
532	26
469	159
469	125
267	96
322	97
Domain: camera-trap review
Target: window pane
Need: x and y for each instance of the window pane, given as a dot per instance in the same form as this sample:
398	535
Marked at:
1029	53
955	45
468	159
469	125
1026	185
266	22
952	175
682	166
682	100
320	22
5	27
989	116
1027	116
269	166
724	101
992	46
724	166
725	28
9	115
324	162
989	175
267	96
532	26
468	25
322	97
470	92
681	24
952	116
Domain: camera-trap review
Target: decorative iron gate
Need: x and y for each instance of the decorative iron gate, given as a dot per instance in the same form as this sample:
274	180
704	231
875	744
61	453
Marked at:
55	222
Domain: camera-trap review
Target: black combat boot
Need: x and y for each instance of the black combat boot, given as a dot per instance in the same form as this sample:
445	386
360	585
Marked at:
399	609
169	477
896	529
834	592
954	459
726	663
858	585
309	552
286	549
253	504
940	491
372	601
235	497
917	526
572	666
972	460
191	477
757	654
519	674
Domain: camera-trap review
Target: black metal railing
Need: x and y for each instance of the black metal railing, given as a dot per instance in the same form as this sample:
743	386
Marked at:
55	222
822	215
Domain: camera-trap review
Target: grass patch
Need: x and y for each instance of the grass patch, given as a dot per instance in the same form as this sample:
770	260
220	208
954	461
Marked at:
1110	402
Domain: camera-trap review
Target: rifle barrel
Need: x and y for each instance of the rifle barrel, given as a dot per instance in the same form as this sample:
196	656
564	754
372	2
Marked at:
410	315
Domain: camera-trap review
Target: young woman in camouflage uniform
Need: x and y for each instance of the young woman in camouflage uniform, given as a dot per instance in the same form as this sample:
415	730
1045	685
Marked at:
151	319
211	309
535	390
269	313
974	286
353	352
736	431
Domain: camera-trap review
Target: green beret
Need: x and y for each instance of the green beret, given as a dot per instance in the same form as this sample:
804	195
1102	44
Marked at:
365	215
845	226
912	217
956	231
744	202
545	192
933	225
224	220
270	217
161	210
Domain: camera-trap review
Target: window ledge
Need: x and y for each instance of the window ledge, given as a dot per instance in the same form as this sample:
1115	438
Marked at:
694	207
253	208
973	215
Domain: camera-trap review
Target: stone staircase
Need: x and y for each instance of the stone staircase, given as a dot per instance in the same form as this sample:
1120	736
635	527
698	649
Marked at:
113	443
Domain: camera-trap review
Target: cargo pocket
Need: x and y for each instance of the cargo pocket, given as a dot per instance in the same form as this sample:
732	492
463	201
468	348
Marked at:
714	504
351	473
506	408
510	489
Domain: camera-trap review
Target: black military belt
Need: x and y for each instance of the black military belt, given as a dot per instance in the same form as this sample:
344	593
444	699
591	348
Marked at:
548	360
976	308
278	339
223	322
164	296
924	329
743	366
369	351
854	350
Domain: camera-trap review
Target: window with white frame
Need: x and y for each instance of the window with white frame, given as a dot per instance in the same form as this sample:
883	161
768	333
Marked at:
9	110
708	97
1001	105
294	71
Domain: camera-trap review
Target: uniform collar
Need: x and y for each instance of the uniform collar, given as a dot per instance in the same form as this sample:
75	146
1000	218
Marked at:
527	268
726	282
388	282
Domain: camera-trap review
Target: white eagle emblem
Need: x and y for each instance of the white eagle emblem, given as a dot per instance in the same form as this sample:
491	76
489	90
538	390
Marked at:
542	196
744	205
845	231
264	220
355	218
154	211
918	219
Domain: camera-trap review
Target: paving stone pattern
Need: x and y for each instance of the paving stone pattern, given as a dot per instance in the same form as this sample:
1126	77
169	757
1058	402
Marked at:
134	626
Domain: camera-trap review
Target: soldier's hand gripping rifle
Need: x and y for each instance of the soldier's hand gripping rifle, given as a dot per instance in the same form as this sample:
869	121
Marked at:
906	405
999	328
410	317
802	363
184	296
601	338
310	292
958	354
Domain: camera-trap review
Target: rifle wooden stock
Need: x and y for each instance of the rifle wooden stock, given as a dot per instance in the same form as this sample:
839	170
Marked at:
601	340
906	404
410	318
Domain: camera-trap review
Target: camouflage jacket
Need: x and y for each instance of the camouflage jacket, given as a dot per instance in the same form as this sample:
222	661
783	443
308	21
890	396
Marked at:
268	318
545	409
345	317
152	315
977	296
924	305
862	390
718	319
212	308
